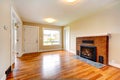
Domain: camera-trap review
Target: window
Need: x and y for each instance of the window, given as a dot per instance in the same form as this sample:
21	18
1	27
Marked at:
51	37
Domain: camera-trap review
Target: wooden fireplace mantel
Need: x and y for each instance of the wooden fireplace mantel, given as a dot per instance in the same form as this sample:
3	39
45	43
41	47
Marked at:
101	42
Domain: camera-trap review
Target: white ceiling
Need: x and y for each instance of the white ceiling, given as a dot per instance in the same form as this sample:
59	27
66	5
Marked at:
63	12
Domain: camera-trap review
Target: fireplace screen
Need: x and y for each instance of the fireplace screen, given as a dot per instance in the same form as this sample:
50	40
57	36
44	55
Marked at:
88	52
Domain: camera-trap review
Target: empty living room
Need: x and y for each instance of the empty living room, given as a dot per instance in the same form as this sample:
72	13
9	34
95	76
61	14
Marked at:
59	39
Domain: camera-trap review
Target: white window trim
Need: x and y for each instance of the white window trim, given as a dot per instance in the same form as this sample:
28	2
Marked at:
60	43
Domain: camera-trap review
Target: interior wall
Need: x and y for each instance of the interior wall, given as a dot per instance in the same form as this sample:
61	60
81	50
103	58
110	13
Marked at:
104	22
16	20
5	20
41	26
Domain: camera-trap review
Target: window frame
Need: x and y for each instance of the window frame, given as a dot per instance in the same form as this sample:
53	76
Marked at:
60	37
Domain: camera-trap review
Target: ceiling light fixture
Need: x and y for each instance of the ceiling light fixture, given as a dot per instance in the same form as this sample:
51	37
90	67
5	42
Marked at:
49	20
71	1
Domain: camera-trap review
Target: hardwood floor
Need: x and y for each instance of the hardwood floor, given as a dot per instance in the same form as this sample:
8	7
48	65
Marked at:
59	65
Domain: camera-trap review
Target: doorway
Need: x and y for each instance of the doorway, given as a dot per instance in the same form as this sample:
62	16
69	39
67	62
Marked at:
66	38
31	39
14	41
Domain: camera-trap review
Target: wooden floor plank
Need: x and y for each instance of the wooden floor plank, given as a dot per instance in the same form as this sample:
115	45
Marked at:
59	65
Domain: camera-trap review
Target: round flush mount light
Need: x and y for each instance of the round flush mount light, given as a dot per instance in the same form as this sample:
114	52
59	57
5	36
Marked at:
71	1
49	20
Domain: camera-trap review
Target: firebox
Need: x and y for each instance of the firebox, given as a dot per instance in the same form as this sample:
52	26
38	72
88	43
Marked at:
88	52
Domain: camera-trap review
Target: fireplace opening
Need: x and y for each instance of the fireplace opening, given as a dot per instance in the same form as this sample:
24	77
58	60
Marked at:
88	52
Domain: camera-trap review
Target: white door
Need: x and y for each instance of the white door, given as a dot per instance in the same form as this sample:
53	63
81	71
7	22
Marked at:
31	38
66	38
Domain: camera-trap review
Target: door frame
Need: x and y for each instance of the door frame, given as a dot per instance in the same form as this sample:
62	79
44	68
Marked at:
67	30
24	38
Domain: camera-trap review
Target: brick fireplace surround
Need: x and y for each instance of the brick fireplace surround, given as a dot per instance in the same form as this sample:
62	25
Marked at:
101	43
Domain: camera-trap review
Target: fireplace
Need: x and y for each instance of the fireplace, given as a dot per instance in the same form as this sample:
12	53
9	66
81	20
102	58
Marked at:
99	45
88	52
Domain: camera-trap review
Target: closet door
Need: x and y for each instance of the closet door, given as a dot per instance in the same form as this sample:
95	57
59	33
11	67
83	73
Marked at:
31	38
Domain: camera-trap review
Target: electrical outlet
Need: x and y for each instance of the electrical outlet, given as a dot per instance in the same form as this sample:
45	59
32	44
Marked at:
4	27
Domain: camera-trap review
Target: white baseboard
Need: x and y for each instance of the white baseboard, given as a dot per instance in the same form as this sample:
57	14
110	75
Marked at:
72	51
4	77
42	51
20	54
50	50
114	64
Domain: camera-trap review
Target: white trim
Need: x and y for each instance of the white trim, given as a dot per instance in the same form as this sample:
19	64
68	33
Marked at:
20	55
38	41
66	36
4	77
46	28
15	13
100	34
60	35
38	38
45	50
114	64
50	50
72	51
